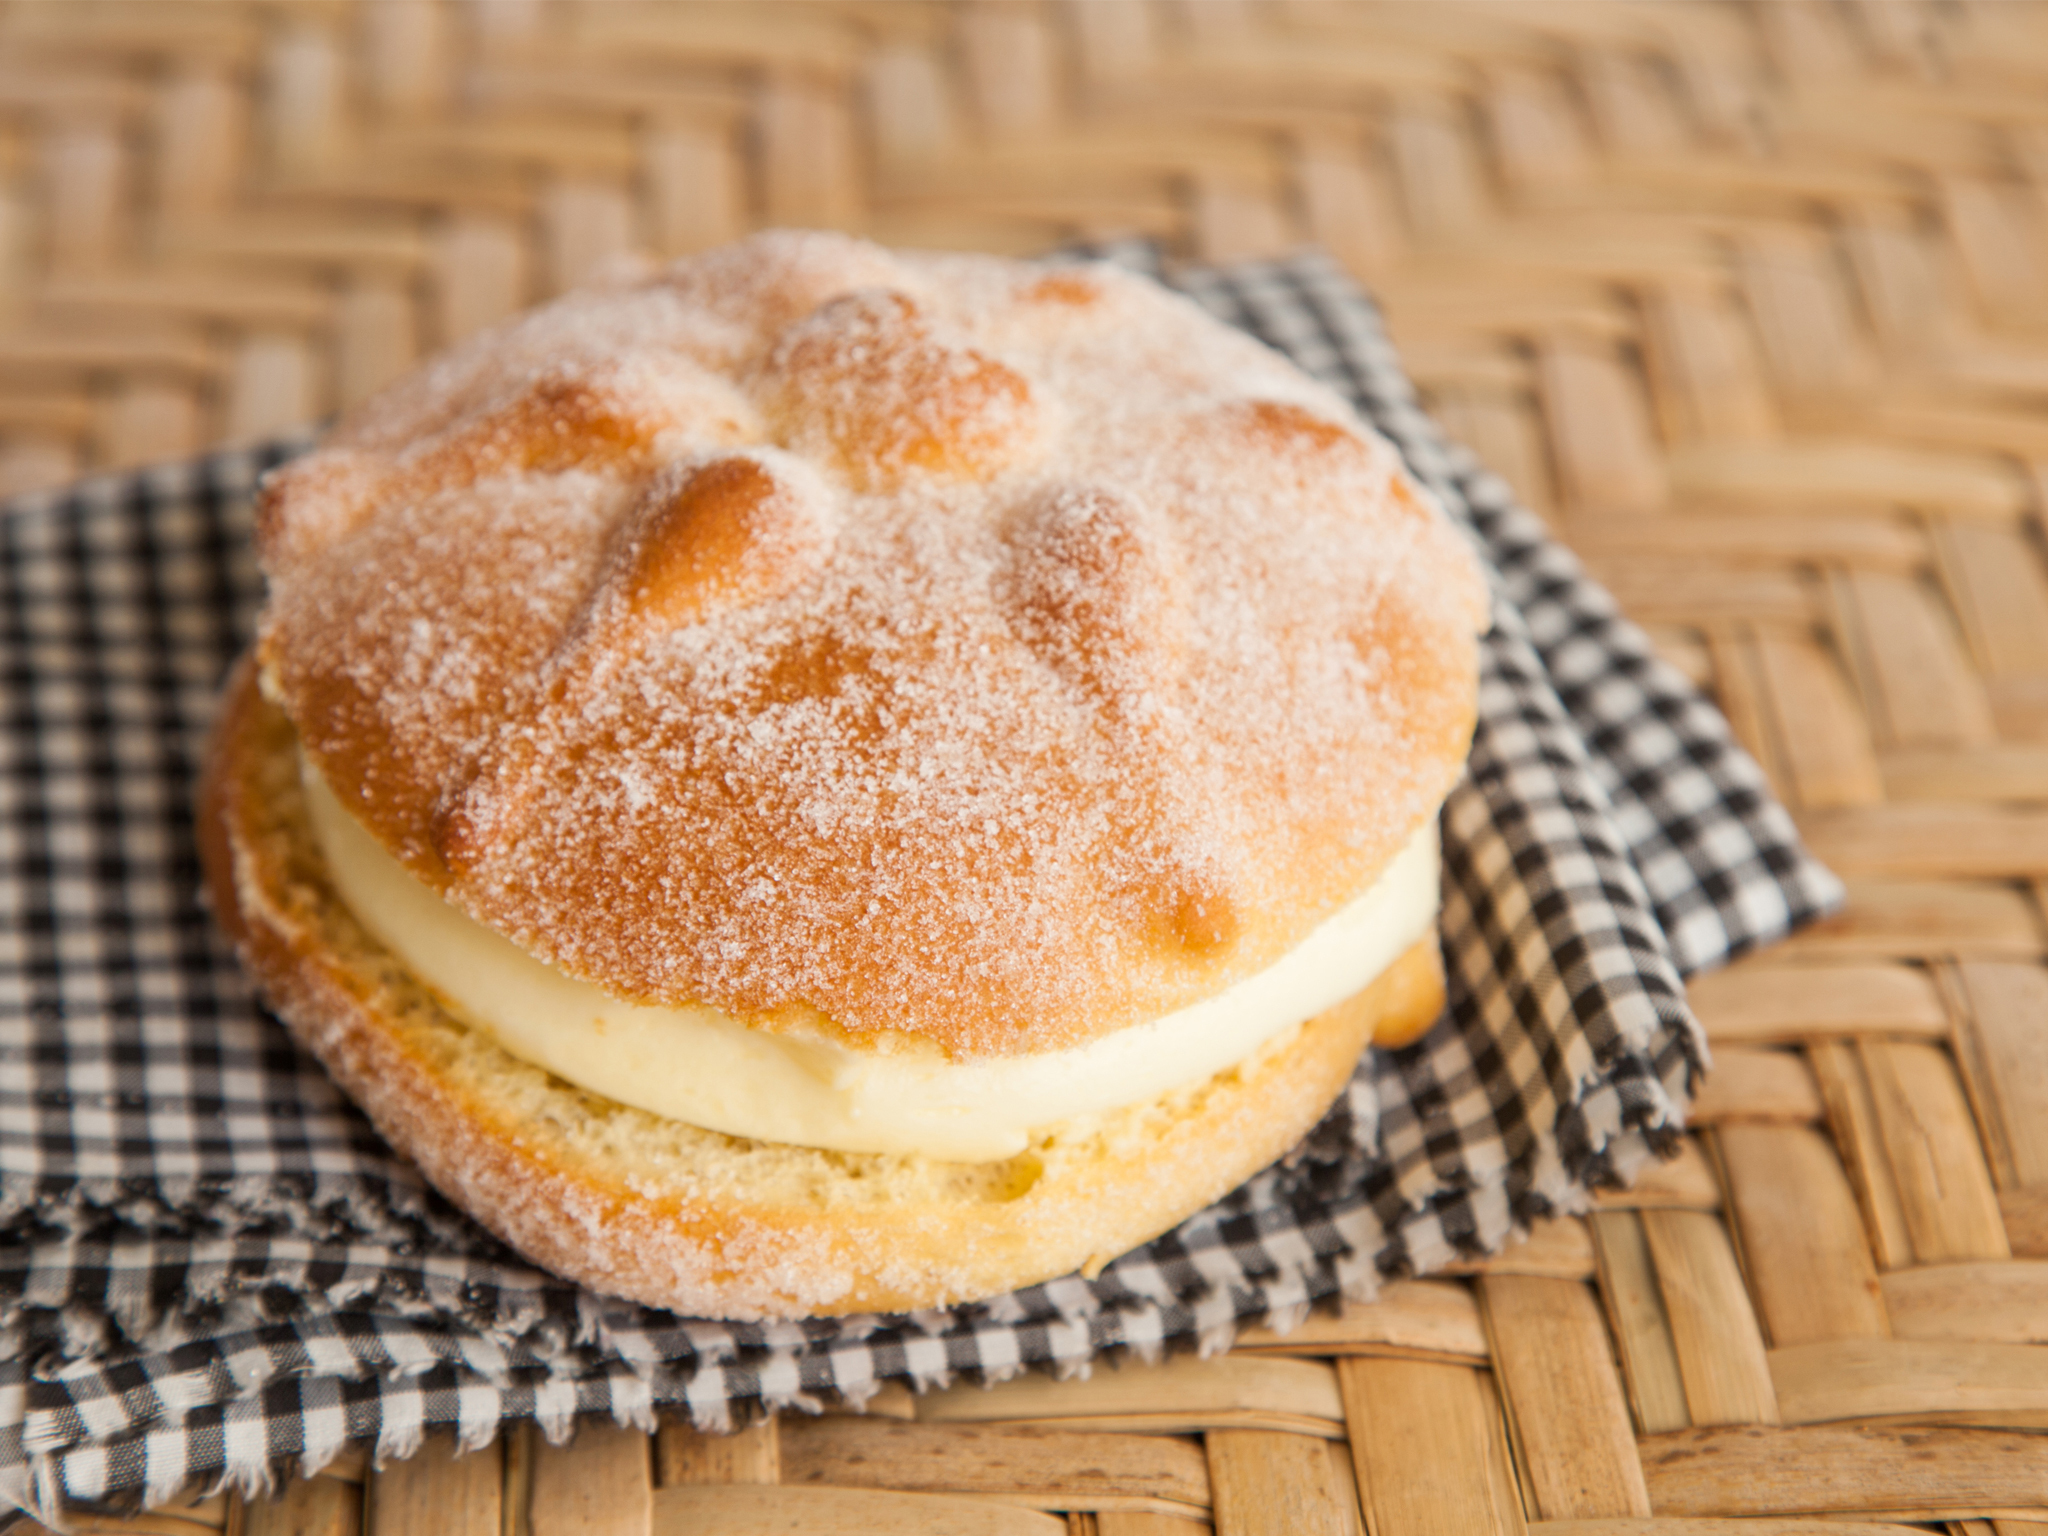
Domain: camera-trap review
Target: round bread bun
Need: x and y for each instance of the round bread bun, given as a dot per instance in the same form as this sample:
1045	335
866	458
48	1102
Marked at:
938	655
708	1225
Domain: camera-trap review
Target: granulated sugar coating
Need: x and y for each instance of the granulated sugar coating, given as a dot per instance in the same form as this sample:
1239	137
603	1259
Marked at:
938	651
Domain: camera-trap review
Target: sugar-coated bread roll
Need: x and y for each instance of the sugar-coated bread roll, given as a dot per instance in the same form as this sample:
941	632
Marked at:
963	690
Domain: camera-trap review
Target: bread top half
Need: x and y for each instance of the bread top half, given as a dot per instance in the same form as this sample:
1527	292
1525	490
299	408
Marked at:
938	652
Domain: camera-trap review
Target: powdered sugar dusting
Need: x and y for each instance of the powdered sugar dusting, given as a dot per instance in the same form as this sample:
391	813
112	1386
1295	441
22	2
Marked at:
1066	656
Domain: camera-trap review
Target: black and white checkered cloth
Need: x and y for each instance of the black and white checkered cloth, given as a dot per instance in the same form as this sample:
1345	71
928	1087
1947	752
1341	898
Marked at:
210	1265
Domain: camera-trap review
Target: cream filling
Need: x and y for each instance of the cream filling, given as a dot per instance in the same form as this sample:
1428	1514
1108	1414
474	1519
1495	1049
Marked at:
704	1067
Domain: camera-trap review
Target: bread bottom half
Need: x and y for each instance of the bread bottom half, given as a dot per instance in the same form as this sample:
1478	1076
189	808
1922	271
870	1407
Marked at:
709	1225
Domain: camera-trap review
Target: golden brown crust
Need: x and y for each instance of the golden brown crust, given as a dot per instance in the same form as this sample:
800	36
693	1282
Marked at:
705	1224
924	646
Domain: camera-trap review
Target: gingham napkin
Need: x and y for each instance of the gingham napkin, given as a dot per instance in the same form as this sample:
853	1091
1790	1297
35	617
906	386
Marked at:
210	1265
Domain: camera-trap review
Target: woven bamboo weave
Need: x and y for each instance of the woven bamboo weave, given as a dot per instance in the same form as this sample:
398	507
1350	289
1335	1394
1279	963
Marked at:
1750	302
